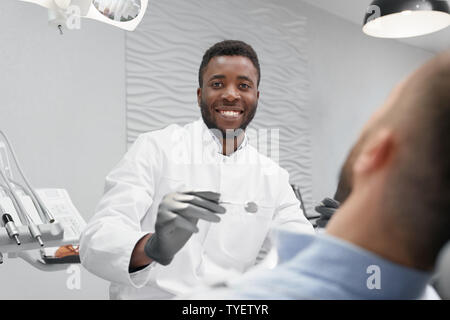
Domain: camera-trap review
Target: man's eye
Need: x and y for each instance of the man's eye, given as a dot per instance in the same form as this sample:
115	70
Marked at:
216	84
244	86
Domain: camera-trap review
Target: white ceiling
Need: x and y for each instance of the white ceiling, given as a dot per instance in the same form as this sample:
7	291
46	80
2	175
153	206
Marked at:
354	10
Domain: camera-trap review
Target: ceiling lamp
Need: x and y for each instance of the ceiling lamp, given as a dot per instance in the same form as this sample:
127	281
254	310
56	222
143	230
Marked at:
405	18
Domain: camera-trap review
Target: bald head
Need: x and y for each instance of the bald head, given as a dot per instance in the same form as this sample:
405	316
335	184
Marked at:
428	89
424	92
433	77
418	196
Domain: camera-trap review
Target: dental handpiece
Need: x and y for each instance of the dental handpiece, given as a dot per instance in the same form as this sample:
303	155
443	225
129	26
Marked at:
11	228
35	233
41	209
34	230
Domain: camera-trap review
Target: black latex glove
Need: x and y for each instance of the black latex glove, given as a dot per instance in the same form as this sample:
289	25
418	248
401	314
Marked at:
326	209
177	219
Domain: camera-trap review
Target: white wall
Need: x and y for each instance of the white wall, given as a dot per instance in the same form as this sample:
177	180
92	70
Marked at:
351	74
63	107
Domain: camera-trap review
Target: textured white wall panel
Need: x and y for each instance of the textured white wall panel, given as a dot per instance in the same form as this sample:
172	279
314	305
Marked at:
163	56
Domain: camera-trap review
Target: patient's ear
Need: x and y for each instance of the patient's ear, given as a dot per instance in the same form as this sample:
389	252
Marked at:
376	154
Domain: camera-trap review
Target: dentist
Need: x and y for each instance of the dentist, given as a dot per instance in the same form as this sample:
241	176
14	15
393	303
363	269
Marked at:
194	204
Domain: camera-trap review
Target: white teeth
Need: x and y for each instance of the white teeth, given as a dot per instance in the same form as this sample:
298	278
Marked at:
230	113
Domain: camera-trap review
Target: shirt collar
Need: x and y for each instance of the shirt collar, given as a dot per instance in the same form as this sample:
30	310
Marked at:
350	266
217	141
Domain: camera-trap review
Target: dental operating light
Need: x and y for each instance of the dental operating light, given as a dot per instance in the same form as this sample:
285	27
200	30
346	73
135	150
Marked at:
124	14
405	18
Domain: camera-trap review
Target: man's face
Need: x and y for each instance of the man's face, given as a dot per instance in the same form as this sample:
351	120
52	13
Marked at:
345	184
229	96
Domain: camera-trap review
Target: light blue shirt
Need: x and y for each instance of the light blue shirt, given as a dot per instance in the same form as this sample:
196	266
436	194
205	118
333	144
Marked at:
325	267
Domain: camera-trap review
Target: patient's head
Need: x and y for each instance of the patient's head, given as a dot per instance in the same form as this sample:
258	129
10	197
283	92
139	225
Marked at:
403	158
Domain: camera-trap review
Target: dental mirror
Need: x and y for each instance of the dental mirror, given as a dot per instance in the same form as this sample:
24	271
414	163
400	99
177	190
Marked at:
251	207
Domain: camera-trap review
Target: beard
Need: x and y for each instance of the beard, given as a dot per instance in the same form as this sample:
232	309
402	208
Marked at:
345	184
344	187
211	123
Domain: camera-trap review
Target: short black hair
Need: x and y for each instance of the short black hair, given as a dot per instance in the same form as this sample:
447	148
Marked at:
228	48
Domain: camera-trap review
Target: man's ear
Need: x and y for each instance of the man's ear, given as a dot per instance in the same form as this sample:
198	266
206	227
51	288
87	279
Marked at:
376	154
199	96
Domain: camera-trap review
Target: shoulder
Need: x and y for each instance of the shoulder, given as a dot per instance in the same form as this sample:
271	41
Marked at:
155	143
164	137
164	133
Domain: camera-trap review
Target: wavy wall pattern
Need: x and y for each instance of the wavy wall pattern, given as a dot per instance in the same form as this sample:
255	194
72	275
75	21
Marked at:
164	53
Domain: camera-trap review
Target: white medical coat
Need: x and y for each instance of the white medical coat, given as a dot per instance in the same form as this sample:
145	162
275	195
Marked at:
187	158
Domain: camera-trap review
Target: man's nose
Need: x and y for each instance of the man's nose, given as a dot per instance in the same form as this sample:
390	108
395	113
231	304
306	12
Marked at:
231	94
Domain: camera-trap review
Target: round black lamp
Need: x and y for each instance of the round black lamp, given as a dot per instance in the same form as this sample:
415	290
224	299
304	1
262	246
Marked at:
405	18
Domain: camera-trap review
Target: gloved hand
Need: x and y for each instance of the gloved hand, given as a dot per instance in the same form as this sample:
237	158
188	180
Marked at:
177	219
326	209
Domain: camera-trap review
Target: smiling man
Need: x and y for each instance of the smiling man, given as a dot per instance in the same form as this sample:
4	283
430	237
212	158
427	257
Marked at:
193	204
229	97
